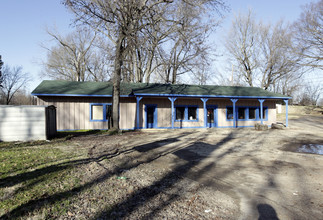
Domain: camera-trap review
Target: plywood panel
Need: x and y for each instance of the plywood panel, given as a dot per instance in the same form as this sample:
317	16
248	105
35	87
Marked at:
77	120
81	115
71	115
87	116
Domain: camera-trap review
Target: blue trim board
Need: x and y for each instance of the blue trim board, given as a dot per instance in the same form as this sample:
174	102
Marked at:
186	119
212	96
104	111
204	100
138	110
172	99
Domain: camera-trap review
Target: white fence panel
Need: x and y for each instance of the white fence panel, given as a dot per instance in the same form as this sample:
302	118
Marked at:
24	123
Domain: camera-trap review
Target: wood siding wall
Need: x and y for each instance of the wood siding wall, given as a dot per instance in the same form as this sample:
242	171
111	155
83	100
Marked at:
73	113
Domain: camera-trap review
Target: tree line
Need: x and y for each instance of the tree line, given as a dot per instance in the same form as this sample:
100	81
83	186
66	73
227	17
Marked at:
159	40
167	41
277	57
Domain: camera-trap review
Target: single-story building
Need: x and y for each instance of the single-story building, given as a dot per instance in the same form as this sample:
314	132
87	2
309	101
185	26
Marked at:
87	105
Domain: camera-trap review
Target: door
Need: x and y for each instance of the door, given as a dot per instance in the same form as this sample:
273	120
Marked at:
211	117
151	117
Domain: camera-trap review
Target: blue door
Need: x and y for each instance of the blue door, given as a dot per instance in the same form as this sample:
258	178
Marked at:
151	116
211	117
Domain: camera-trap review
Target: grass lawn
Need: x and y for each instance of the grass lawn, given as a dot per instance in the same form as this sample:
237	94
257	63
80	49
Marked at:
33	171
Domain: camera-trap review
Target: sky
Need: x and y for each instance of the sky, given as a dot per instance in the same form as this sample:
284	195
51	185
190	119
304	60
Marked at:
23	24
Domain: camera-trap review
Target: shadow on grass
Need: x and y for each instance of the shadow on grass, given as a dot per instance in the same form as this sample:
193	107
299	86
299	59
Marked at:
137	198
31	205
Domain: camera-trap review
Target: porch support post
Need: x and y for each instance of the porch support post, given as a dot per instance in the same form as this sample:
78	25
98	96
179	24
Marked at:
172	99
234	112
138	100
204	100
261	110
286	102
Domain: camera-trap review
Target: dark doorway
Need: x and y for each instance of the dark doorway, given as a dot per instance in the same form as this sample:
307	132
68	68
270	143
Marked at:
211	116
151	116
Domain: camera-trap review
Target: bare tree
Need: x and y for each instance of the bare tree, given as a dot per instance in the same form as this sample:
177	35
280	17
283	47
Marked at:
77	57
1	78
202	76
262	53
186	50
13	80
276	58
140	58
23	97
308	31
119	21
122	22
242	43
311	94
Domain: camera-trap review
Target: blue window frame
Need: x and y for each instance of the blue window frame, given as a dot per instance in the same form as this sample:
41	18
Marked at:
186	113
100	111
246	113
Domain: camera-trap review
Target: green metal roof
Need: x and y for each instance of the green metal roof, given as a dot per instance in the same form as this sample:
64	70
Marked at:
69	88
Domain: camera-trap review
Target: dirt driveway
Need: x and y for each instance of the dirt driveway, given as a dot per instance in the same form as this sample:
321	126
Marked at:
204	174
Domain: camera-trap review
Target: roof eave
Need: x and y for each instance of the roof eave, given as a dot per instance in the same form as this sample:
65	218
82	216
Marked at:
166	95
211	96
75	95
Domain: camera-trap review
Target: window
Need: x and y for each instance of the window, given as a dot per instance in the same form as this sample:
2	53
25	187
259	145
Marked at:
192	113
241	113
100	112
230	113
252	113
246	113
186	113
97	112
180	113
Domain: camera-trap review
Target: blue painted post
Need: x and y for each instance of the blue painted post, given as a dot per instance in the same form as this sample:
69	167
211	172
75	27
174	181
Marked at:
286	102
234	112
261	110
138	100
172	99
204	100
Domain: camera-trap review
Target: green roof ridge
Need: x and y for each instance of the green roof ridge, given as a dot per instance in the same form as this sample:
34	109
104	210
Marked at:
60	87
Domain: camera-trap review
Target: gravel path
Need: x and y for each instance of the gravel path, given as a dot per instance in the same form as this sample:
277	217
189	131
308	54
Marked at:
203	174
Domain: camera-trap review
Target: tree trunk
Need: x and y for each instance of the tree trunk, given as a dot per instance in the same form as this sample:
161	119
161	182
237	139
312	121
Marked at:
174	76
116	82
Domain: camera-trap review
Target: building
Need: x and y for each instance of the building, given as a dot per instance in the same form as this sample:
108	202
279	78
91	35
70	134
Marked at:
87	105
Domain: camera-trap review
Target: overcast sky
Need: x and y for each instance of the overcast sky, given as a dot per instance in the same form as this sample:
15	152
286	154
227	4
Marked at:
23	24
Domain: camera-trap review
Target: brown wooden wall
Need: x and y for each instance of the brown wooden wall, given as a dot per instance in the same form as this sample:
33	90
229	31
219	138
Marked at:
73	113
